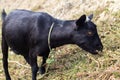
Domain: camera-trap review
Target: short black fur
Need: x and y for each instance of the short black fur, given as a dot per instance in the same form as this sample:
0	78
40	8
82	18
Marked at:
26	33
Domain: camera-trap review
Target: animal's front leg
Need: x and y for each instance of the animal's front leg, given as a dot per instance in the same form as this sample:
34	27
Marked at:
43	65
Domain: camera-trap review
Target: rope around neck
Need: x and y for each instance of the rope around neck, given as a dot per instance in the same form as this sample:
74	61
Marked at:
49	34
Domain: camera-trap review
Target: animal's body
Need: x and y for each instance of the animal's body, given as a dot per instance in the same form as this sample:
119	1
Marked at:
26	33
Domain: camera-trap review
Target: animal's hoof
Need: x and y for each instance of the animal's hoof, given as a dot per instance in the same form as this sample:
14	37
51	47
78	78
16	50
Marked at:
42	70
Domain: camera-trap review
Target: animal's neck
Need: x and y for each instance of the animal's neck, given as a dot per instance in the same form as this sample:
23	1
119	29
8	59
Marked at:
61	33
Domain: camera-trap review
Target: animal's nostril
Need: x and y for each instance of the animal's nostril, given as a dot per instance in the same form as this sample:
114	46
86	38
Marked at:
99	46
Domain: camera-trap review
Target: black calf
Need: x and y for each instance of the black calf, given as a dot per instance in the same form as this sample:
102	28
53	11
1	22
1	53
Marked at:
26	33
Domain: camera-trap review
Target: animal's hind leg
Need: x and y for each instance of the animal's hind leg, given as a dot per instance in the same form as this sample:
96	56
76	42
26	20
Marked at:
5	58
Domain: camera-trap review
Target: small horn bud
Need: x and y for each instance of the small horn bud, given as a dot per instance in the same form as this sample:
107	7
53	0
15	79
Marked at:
87	19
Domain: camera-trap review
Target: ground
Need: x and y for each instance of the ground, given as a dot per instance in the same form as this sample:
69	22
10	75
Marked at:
70	62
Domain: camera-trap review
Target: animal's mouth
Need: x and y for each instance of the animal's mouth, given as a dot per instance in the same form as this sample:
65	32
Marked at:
99	49
95	52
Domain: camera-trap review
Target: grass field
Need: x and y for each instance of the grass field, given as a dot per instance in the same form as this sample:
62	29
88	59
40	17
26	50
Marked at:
70	62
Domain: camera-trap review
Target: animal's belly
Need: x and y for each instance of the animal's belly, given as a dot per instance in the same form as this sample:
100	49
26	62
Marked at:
19	49
18	44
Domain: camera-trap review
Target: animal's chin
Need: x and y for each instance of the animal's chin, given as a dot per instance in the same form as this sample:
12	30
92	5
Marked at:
94	51
90	50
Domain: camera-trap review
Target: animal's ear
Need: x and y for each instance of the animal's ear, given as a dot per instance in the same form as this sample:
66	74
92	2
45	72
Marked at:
81	20
90	16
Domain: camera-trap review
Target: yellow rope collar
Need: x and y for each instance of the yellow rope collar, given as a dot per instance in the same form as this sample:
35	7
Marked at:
49	34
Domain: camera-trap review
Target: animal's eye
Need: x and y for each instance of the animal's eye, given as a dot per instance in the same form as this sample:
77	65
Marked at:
90	33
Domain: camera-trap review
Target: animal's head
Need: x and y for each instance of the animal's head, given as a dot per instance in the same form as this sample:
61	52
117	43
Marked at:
86	36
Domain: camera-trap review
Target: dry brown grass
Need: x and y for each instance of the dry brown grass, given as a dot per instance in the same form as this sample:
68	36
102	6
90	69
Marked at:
70	62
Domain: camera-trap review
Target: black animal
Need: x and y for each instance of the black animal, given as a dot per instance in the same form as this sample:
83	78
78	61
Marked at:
26	33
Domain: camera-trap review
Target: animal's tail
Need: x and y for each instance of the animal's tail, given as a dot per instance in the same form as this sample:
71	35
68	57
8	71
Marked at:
3	15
